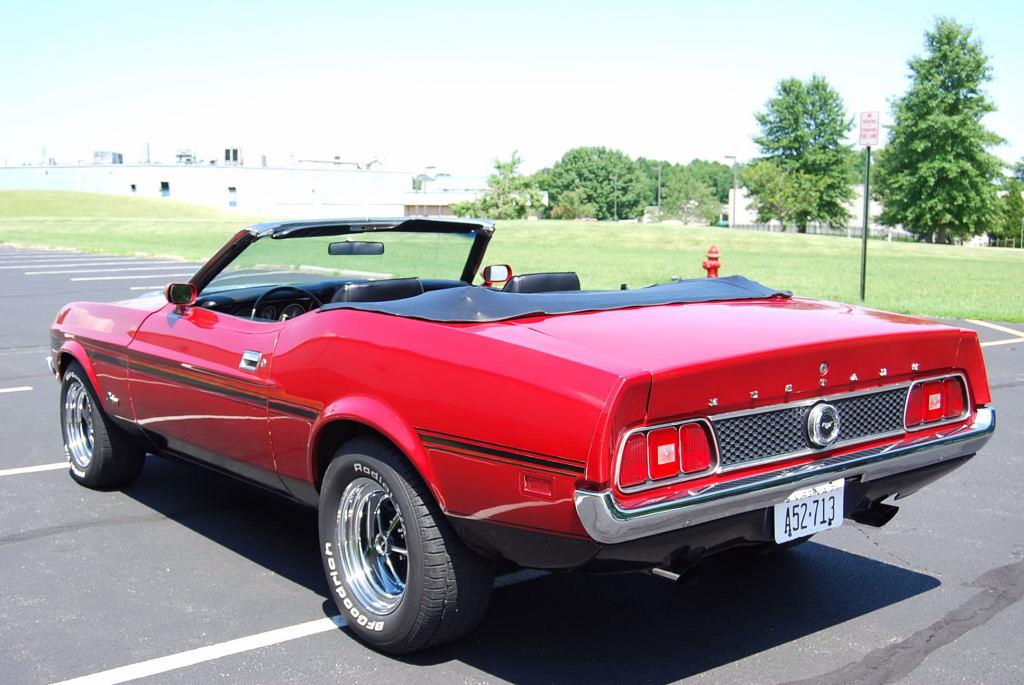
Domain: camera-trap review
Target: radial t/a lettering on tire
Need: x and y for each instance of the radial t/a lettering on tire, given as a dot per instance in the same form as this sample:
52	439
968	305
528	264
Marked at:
399	575
101	455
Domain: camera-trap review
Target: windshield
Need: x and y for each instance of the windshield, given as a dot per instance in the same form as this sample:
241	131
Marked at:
291	261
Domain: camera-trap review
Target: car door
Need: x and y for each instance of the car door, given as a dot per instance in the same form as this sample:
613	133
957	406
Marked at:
199	386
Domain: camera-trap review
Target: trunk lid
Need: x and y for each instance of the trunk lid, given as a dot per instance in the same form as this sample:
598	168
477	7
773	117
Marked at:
726	356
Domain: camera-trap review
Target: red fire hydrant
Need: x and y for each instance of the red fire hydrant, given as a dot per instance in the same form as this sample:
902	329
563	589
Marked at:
711	264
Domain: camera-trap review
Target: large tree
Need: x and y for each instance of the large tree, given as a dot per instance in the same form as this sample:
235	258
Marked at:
937	175
609	181
803	132
510	194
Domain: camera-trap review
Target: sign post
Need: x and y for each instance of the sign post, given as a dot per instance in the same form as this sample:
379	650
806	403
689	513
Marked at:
868	139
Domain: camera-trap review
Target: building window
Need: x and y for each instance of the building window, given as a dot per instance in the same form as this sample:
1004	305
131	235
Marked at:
133	187
232	196
165	189
232	155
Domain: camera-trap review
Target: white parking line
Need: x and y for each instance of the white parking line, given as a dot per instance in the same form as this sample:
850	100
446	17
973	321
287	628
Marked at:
125	278
33	469
1007	341
163	664
63	265
101	271
172	662
65	258
20	388
997	327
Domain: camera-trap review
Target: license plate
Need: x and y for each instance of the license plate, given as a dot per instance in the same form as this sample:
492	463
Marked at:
809	510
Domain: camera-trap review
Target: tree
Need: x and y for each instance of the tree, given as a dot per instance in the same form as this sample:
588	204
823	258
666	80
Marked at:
937	175
573	205
686	197
777	194
1011	209
714	174
803	131
510	194
1018	170
609	180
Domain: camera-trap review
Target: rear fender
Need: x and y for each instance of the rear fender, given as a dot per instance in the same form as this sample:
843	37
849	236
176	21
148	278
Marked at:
970	358
384	420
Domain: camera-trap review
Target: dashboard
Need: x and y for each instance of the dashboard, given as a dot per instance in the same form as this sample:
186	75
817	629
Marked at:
286	304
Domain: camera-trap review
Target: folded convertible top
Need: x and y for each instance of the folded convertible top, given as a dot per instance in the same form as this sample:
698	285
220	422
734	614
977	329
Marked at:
476	304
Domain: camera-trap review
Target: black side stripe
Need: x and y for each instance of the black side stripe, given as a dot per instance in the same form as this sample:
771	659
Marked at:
101	357
291	409
154	366
512	456
256	400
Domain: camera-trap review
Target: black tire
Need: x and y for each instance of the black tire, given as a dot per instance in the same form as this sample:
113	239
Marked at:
446	585
115	459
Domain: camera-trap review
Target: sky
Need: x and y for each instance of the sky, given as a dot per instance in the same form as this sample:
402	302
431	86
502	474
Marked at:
456	85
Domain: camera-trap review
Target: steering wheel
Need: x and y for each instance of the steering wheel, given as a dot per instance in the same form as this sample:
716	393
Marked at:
278	288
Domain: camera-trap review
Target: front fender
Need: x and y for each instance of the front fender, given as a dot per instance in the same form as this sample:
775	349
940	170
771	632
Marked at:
72	349
383	419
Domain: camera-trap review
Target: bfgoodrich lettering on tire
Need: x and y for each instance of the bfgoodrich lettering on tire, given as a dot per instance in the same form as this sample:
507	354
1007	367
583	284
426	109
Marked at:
100	454
399	575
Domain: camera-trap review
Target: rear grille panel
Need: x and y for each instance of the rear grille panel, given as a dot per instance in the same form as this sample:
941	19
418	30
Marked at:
767	435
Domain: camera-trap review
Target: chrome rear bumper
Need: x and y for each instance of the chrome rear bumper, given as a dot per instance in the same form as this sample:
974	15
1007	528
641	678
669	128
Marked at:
608	523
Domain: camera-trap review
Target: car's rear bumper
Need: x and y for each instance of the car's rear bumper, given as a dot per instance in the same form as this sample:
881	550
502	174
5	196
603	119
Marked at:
608	523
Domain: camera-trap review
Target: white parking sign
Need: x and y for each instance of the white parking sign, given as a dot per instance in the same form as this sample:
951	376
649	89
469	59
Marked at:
869	129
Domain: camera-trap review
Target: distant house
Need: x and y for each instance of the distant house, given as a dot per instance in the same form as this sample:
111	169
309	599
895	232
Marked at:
106	157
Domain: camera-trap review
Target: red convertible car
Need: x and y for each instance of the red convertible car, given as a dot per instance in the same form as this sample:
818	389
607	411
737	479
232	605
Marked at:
444	428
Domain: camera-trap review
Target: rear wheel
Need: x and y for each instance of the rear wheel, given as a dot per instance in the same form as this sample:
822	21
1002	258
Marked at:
100	455
400	576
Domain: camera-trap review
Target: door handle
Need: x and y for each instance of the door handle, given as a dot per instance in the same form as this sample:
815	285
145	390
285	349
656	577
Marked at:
250	360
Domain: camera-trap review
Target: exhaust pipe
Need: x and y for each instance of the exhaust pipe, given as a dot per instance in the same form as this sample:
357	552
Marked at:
877	515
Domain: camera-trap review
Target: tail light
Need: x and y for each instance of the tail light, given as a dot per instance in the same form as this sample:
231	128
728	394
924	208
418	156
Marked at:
663	453
954	398
633	469
666	454
937	400
696	448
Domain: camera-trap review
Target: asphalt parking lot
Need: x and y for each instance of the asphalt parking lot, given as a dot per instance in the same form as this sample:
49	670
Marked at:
189	577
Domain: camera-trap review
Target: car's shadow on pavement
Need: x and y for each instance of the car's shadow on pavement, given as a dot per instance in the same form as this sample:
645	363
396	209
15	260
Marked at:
569	628
565	628
278	534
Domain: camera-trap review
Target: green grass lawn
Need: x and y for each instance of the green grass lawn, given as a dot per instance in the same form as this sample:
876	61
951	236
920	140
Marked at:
983	283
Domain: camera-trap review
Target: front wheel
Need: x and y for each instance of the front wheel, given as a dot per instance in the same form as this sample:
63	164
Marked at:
398	573
100	455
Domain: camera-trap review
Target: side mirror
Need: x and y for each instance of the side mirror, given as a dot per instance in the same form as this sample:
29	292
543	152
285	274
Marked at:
355	247
181	294
496	273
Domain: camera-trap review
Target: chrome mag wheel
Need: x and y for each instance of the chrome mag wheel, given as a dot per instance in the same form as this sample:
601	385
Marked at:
78	428
374	553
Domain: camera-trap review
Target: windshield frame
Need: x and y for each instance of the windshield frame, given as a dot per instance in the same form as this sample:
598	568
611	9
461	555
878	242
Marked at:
480	229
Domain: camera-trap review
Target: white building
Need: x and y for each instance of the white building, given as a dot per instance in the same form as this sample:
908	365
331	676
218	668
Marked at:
746	216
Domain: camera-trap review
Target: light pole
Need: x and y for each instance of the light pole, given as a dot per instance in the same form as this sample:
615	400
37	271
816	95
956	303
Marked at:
659	193
615	184
735	191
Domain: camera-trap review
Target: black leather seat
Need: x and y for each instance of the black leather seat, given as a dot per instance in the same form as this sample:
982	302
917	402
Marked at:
542	283
378	291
